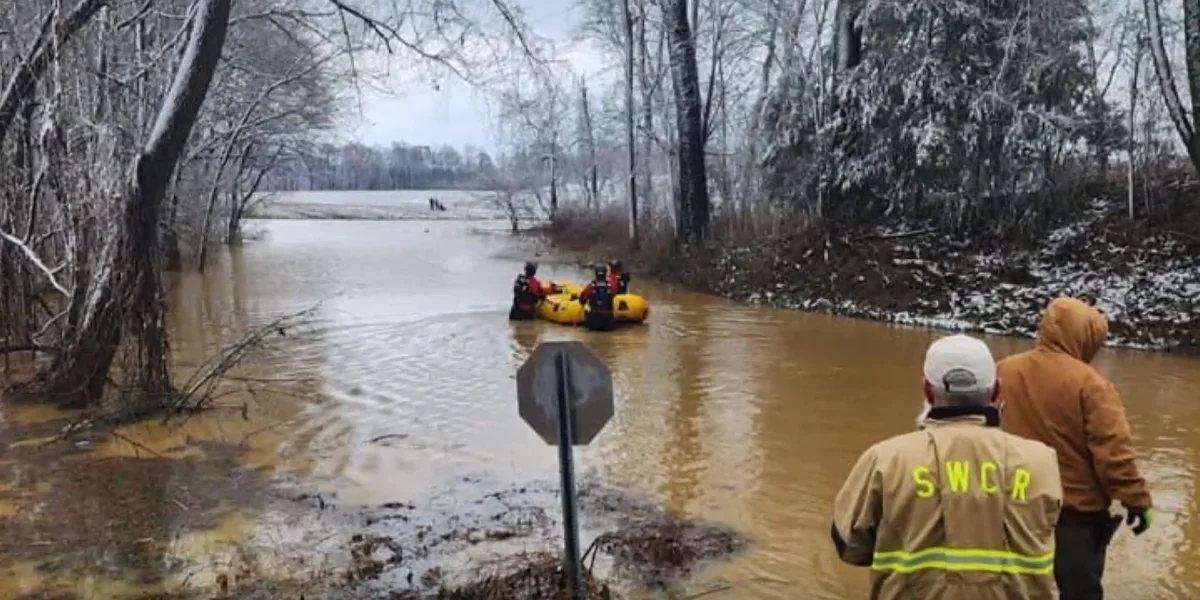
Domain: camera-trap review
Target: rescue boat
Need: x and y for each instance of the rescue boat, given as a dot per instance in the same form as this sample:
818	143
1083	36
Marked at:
565	308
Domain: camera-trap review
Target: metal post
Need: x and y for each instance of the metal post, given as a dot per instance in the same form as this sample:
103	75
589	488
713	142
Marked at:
566	464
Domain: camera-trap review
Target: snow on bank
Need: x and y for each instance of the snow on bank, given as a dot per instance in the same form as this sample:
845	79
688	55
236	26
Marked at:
1148	287
289	210
377	206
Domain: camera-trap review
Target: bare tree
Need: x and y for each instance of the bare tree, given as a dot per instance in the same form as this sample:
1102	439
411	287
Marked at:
535	121
108	154
693	199
630	140
513	195
1183	121
1139	52
591	174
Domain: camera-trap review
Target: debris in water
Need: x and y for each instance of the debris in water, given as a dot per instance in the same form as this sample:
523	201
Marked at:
532	576
659	548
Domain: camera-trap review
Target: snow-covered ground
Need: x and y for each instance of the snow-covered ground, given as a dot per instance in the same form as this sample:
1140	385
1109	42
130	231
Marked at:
379	205
1149	289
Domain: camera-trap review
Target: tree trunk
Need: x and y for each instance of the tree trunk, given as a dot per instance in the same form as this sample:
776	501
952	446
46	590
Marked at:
1166	77
751	180
242	199
128	288
553	180
1191	35
1130	167
215	190
848	45
592	179
647	109
630	139
692	223
725	183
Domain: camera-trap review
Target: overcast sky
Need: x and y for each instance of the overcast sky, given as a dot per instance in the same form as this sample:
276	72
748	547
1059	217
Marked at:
454	113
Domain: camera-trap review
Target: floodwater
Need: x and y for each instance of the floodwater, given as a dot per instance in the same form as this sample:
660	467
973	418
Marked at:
404	383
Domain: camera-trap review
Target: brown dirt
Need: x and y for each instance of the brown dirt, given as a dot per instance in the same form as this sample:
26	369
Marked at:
533	576
408	550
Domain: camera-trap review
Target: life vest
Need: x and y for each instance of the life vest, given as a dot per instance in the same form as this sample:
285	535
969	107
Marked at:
523	294
601	298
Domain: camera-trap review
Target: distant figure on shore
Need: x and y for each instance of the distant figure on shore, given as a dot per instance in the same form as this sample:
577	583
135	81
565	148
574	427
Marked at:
959	510
598	297
1053	395
527	291
435	204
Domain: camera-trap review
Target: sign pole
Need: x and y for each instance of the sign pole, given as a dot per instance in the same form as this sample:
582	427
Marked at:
565	394
566	464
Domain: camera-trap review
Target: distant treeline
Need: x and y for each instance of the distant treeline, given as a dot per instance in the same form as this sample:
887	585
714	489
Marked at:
361	167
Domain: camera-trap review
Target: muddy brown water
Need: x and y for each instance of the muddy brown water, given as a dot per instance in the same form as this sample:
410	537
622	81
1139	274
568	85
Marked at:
743	415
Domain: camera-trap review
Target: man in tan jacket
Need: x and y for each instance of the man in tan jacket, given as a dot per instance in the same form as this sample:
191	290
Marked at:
958	510
1052	394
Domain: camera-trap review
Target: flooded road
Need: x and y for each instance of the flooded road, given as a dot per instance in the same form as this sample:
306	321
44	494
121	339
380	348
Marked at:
744	415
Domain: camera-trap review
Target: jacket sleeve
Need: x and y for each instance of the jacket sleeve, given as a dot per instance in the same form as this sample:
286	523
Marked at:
857	511
1111	445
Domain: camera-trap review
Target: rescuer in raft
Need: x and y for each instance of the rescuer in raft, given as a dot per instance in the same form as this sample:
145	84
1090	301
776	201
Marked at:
1053	395
959	510
598	296
527	291
618	278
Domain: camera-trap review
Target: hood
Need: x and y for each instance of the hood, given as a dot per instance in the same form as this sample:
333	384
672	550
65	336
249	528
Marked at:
1072	327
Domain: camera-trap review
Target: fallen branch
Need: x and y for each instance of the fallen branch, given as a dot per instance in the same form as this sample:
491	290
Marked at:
1186	236
715	590
199	392
136	444
902	234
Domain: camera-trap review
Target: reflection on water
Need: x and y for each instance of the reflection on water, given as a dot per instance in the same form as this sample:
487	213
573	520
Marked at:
745	415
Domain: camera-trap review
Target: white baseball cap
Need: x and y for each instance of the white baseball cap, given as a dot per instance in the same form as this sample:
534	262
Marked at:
960	364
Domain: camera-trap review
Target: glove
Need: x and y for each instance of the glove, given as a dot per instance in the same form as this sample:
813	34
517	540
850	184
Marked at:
1142	518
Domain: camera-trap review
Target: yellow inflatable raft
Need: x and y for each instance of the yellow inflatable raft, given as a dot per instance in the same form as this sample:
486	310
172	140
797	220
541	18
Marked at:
561	308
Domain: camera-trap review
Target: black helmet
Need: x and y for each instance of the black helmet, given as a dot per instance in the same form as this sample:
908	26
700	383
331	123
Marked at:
601	273
616	265
530	268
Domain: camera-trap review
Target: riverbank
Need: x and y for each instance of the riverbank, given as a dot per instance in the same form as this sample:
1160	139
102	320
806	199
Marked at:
1145	275
399	205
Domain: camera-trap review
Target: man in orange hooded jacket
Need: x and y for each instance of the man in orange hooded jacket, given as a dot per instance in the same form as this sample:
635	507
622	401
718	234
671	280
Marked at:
1053	395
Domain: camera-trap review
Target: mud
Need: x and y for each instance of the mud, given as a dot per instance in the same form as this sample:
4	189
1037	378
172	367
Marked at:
492	545
504	544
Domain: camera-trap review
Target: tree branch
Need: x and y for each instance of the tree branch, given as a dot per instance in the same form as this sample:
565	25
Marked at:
36	261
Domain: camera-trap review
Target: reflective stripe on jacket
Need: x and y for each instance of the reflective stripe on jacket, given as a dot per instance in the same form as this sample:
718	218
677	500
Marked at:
957	511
